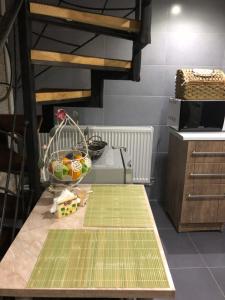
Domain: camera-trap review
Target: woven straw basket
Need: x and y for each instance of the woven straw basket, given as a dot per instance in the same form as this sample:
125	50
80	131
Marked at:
200	84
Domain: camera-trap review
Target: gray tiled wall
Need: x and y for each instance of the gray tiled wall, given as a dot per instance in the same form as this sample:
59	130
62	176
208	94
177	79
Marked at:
194	38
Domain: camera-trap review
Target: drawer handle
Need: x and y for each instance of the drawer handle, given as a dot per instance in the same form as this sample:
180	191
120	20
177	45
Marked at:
206	175
195	153
190	196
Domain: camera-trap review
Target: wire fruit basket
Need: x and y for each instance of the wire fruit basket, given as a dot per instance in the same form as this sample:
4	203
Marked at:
66	165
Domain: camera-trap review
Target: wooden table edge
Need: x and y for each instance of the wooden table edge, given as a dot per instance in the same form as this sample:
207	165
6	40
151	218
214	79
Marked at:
90	293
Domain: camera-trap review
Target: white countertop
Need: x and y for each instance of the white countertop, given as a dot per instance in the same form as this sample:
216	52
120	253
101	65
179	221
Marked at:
199	136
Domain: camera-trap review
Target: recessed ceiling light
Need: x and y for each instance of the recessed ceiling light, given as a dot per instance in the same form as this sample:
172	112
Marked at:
176	9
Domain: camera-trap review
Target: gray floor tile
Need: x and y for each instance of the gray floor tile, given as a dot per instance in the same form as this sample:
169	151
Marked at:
195	284
179	250
211	246
219	274
161	218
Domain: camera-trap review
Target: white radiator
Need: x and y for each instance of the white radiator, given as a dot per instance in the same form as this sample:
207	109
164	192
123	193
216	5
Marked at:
137	140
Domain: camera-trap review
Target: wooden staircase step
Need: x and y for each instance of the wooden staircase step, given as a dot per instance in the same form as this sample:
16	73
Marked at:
117	23
51	96
63	59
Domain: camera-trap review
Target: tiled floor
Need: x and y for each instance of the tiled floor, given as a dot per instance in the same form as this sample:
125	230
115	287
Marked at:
196	260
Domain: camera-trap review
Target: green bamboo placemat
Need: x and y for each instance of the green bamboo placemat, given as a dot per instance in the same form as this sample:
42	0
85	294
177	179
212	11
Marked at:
99	259
117	206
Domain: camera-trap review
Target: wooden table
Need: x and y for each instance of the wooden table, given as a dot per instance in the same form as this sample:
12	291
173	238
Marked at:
19	261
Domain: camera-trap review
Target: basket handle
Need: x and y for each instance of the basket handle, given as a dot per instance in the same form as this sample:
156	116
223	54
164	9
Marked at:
204	72
80	131
95	136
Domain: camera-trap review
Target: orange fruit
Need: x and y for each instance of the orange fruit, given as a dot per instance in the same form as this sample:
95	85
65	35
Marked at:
76	175
66	161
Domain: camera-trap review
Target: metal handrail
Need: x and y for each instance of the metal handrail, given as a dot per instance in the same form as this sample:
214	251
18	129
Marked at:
204	153
190	196
207	174
7	21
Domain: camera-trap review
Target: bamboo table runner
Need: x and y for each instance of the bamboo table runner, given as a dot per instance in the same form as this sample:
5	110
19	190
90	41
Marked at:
117	206
99	259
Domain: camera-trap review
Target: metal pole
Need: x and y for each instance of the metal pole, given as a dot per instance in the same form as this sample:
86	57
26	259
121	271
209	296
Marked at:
29	103
136	56
8	20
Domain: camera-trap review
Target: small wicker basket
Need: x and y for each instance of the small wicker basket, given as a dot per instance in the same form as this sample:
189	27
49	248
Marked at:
200	84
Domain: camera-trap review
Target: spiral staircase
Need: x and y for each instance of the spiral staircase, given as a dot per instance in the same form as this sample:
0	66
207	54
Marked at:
93	20
136	30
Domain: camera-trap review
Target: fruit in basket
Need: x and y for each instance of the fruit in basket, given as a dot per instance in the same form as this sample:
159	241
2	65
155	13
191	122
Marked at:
76	170
68	169
84	168
76	175
53	165
65	170
87	162
59	169
66	161
86	165
76	166
70	155
78	156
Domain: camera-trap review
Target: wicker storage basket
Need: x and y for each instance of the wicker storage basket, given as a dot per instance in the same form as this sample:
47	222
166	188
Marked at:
200	84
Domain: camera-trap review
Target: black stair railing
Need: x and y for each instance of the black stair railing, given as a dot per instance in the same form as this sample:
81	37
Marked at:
13	139
142	13
144	37
8	25
8	20
29	103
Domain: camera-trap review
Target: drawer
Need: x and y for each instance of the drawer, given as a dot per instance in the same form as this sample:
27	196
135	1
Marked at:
205	192
205	173
206	151
221	211
201	203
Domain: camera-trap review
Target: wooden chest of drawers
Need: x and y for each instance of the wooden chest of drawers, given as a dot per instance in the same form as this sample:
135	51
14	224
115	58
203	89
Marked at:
195	198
